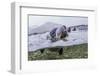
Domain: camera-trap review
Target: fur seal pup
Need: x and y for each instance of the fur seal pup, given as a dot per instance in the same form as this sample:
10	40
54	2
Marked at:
59	33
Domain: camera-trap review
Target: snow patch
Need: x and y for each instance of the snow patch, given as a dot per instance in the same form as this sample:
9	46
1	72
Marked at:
40	41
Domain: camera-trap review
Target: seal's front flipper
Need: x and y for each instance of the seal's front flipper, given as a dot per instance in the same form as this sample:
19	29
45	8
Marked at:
65	40
61	51
41	50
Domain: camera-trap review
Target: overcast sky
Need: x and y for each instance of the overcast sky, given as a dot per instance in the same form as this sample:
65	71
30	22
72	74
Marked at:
68	20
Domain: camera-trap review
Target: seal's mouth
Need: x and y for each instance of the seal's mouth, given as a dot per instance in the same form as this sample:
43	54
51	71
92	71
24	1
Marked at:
63	35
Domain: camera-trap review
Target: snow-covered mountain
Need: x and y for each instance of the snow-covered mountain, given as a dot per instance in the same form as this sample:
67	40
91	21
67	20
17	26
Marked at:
48	26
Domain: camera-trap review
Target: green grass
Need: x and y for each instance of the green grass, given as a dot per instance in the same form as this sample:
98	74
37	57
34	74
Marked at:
70	52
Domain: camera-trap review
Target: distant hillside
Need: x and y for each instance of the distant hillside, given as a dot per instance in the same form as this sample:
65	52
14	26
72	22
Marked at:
80	27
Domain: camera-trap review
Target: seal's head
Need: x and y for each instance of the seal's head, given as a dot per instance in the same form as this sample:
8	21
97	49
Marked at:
58	33
64	32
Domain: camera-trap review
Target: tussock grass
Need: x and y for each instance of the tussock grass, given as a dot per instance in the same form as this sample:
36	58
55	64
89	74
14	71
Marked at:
69	52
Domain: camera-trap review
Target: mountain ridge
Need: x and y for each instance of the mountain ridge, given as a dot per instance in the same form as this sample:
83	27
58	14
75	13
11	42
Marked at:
48	26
